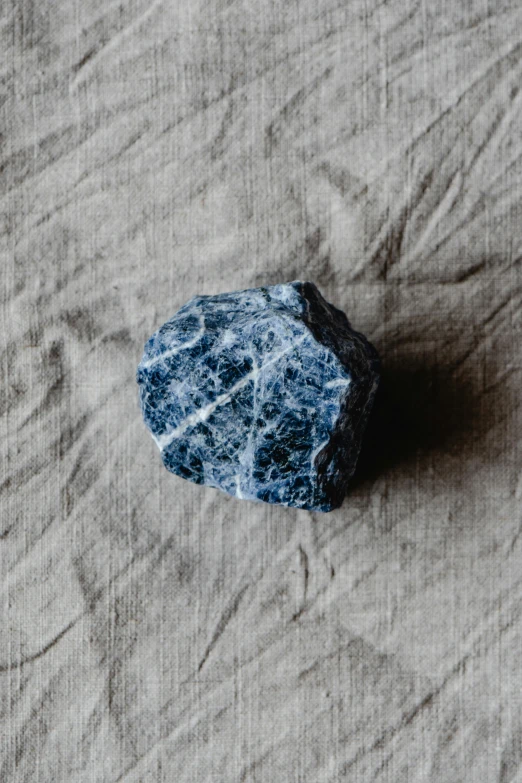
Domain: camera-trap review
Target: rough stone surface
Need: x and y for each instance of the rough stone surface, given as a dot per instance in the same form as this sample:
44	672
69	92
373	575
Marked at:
262	393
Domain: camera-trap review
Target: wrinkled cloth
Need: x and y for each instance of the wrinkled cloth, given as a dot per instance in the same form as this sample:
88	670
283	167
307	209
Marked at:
153	630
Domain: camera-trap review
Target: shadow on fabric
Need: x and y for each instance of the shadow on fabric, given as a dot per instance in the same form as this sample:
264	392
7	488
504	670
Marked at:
420	410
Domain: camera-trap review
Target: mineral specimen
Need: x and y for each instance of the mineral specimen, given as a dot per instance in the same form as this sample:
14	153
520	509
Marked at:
262	393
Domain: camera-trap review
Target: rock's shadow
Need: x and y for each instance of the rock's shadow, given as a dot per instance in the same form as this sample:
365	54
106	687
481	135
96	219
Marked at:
419	409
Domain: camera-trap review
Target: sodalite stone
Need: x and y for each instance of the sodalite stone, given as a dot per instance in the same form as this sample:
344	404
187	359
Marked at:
262	393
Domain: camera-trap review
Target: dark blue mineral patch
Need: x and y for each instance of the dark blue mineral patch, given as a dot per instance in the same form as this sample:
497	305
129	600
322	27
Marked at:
262	393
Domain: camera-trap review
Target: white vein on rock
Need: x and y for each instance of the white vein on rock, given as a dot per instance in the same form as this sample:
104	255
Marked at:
202	414
178	348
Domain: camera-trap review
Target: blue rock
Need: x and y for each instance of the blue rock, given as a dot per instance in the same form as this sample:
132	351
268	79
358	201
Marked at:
262	393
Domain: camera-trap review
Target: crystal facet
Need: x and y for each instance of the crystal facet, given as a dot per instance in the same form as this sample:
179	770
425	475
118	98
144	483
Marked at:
262	393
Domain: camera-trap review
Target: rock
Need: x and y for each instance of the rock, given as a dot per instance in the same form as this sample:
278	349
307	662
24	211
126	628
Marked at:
262	393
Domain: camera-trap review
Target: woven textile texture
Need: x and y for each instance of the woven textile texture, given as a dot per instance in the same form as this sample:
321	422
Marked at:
158	631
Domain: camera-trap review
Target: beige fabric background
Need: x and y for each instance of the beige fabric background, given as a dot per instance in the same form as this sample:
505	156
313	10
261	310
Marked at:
154	630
